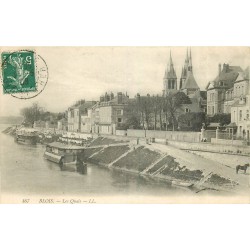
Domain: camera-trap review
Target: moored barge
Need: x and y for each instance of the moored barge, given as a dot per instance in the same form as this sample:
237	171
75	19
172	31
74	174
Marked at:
26	136
67	156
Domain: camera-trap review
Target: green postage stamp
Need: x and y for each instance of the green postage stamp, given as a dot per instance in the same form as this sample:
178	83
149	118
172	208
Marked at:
18	72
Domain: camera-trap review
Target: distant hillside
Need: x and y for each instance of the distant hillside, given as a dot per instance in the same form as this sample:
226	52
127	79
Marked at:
11	119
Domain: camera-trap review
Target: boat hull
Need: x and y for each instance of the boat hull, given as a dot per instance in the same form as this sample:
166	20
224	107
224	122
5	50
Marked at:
182	184
26	141
72	166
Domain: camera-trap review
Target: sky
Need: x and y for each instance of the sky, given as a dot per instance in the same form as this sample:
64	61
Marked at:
88	72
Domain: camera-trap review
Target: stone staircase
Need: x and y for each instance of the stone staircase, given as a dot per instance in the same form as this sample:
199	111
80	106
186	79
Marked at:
153	164
203	180
101	149
123	155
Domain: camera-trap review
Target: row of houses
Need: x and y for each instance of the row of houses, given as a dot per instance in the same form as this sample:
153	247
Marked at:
109	113
229	93
103	116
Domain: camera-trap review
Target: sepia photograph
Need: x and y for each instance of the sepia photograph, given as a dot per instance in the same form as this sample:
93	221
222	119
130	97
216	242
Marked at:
85	125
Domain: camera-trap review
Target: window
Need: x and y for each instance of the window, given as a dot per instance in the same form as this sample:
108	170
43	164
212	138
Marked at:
187	110
169	84
173	84
119	119
240	118
119	112
247	116
212	97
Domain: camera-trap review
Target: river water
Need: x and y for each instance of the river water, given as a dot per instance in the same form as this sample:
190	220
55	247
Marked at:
25	172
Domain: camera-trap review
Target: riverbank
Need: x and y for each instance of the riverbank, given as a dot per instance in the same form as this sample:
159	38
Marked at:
166	163
10	130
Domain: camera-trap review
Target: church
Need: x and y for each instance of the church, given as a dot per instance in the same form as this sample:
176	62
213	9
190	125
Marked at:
187	84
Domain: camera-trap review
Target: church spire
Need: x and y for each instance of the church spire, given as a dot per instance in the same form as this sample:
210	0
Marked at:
170	58
171	71
170	78
190	66
187	57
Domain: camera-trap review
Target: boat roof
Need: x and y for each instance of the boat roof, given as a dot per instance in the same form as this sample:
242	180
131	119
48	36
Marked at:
28	130
64	146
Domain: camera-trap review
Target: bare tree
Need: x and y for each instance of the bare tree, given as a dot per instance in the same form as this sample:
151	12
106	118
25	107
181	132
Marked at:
32	114
173	101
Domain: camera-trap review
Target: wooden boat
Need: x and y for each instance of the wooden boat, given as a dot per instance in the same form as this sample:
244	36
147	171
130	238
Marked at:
26	136
182	183
67	156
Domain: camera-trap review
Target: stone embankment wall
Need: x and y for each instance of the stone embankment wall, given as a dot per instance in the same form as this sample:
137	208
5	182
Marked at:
167	135
145	160
208	147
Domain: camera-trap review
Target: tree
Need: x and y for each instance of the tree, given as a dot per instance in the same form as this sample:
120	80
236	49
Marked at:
32	114
191	121
223	119
143	107
172	103
157	107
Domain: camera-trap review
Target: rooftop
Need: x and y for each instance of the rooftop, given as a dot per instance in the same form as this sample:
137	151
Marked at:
64	146
190	82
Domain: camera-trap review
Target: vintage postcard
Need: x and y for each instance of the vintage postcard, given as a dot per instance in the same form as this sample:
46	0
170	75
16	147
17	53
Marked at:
86	125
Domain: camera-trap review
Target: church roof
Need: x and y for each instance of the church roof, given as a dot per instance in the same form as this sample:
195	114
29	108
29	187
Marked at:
190	82
247	73
170	72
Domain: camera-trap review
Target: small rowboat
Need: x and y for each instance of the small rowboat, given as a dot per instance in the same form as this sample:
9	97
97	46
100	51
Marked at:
182	183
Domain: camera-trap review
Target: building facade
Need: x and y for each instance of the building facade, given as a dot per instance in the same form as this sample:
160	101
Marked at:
226	89
75	114
240	115
240	109
109	114
229	93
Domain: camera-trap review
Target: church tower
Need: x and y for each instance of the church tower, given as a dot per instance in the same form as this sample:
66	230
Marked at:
188	67
170	79
188	84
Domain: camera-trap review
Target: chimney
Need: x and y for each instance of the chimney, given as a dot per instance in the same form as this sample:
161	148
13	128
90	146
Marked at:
106	97
119	97
102	98
225	67
219	69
